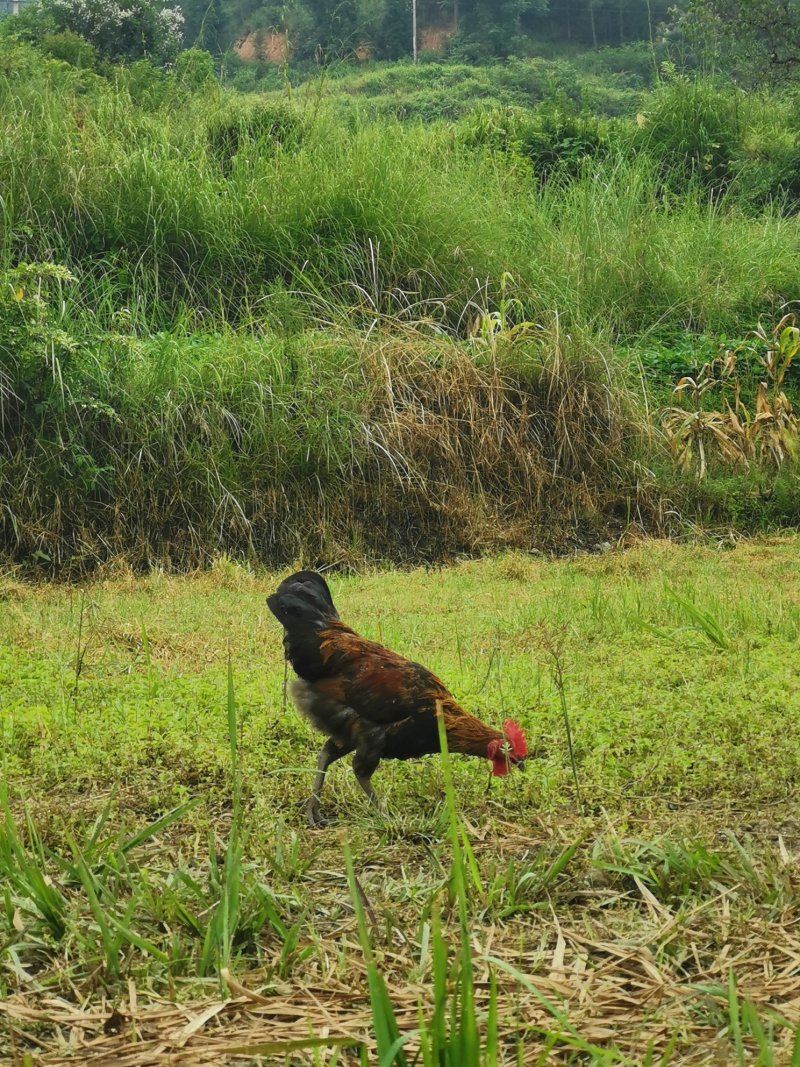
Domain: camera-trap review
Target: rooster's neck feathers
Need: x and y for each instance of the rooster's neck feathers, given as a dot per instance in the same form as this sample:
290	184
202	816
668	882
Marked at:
465	733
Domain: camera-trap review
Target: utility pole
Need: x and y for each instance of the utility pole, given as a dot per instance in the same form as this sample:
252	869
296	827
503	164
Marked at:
414	28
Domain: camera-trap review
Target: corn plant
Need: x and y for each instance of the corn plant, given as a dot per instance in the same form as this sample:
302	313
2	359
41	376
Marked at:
507	322
776	426
694	430
767	429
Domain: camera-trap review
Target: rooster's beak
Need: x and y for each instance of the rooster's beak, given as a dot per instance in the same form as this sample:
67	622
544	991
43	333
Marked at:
520	765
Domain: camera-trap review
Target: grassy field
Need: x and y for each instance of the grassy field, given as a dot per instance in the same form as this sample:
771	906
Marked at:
154	836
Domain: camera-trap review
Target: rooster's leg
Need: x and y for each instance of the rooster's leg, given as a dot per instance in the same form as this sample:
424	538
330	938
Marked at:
329	754
366	784
368	755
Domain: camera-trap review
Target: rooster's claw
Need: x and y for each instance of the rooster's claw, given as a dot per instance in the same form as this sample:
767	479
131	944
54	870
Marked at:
316	820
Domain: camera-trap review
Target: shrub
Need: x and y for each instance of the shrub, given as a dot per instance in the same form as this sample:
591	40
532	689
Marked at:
692	128
269	124
245	80
42	398
463	49
767	166
550	139
138	30
70	48
538	79
29	26
194	69
637	63
602	99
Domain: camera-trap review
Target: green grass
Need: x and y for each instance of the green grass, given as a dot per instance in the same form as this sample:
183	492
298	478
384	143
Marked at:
272	304
697	626
399	219
154	834
612	79
433	92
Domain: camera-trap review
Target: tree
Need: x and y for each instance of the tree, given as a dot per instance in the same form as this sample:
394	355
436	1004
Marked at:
336	25
758	39
496	24
204	24
599	22
140	30
392	35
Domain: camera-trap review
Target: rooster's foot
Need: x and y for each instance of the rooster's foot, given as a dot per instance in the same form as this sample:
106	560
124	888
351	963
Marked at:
316	820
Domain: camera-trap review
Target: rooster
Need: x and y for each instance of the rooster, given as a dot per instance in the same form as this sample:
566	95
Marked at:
369	700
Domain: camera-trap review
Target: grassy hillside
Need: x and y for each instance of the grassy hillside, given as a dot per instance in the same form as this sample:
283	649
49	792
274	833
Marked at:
271	325
610	82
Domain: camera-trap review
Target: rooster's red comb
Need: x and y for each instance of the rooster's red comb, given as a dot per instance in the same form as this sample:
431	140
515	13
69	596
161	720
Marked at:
516	738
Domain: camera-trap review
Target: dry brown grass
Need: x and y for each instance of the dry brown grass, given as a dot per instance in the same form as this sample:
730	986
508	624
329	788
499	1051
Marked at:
629	971
525	445
406	446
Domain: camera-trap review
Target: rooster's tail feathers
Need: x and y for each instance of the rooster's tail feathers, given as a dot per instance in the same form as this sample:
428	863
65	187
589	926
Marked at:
303	598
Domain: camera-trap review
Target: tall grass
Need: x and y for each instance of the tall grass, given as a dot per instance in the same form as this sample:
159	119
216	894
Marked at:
179	447
278	340
373	216
449	1034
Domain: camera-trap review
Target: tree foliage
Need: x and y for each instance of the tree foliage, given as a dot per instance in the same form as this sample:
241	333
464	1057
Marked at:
758	39
476	28
138	30
323	30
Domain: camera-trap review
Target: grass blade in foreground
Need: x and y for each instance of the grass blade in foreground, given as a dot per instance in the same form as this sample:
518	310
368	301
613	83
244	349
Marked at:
451	1038
387	1033
221	929
25	876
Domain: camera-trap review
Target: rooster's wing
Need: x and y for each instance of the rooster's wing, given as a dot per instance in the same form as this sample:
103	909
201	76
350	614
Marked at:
378	684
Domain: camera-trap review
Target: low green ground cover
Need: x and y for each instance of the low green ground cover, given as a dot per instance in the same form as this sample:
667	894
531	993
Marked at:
153	833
